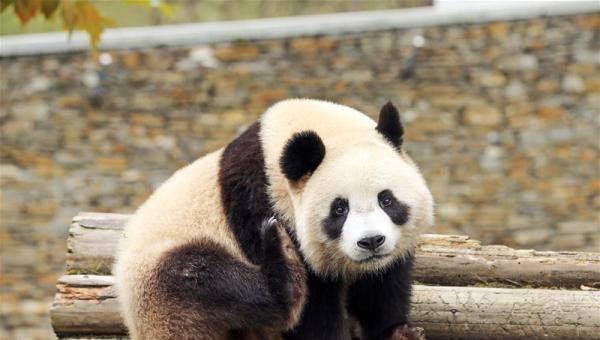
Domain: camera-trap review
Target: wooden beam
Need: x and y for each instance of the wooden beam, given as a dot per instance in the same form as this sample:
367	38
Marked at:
87	304
440	259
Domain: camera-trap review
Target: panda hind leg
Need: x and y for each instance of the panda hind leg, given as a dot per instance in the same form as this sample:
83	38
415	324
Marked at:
203	278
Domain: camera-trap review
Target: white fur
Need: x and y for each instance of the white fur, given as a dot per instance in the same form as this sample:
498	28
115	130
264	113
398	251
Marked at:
368	222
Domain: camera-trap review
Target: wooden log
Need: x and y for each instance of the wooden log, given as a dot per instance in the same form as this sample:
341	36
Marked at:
440	259
458	261
92	242
502	313
88	305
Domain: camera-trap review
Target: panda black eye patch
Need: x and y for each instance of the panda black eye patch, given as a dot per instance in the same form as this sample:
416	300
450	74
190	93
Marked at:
397	211
338	211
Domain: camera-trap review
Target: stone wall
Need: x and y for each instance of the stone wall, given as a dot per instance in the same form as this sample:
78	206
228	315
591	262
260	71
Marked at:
503	119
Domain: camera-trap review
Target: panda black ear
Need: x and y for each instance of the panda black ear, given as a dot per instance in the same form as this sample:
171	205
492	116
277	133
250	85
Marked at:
302	155
389	124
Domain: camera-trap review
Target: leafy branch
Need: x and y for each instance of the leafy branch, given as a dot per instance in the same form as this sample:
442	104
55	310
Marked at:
74	14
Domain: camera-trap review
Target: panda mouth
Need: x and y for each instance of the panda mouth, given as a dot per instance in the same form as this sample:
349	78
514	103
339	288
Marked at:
372	258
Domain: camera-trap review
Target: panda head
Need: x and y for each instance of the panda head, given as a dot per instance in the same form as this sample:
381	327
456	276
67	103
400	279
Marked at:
359	201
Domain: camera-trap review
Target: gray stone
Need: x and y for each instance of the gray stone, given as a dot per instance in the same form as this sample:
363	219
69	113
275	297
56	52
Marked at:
36	110
533	138
451	211
91	79
409	116
9	173
204	56
560	134
534	236
493	137
38	84
357	75
579	227
566	242
587	56
588	133
515	90
593	99
24	256
573	83
521	62
492	158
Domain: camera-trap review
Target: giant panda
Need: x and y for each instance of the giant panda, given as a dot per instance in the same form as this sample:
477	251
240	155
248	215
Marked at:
304	223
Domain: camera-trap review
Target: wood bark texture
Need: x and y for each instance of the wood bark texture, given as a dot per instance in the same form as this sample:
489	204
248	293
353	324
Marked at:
87	305
447	260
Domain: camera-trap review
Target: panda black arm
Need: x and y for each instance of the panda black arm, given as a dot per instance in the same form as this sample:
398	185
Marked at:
381	302
323	315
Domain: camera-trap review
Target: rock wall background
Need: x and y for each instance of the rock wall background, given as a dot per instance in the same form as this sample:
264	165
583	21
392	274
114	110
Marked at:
503	119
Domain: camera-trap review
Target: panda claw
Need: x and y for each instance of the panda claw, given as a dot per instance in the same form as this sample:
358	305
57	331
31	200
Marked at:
407	333
270	237
276	242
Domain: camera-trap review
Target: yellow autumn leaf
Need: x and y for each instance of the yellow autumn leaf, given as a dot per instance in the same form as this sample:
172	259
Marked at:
89	20
70	15
76	14
26	9
49	7
108	22
167	9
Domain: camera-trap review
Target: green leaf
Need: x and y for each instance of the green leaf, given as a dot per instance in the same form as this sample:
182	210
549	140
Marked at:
49	7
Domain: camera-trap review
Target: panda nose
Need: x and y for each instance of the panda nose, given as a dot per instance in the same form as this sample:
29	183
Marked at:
371	243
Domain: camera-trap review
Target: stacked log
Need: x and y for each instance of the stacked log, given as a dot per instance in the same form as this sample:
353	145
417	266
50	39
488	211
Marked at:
465	290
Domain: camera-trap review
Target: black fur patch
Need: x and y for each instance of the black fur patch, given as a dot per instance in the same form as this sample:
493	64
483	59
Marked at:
323	315
302	155
397	211
334	223
381	302
244	190
389	125
273	265
202	276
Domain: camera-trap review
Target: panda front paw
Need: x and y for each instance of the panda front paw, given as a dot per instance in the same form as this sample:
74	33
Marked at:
405	332
270	236
284	269
276	243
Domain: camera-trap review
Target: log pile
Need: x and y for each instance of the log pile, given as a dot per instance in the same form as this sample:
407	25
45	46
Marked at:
464	291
